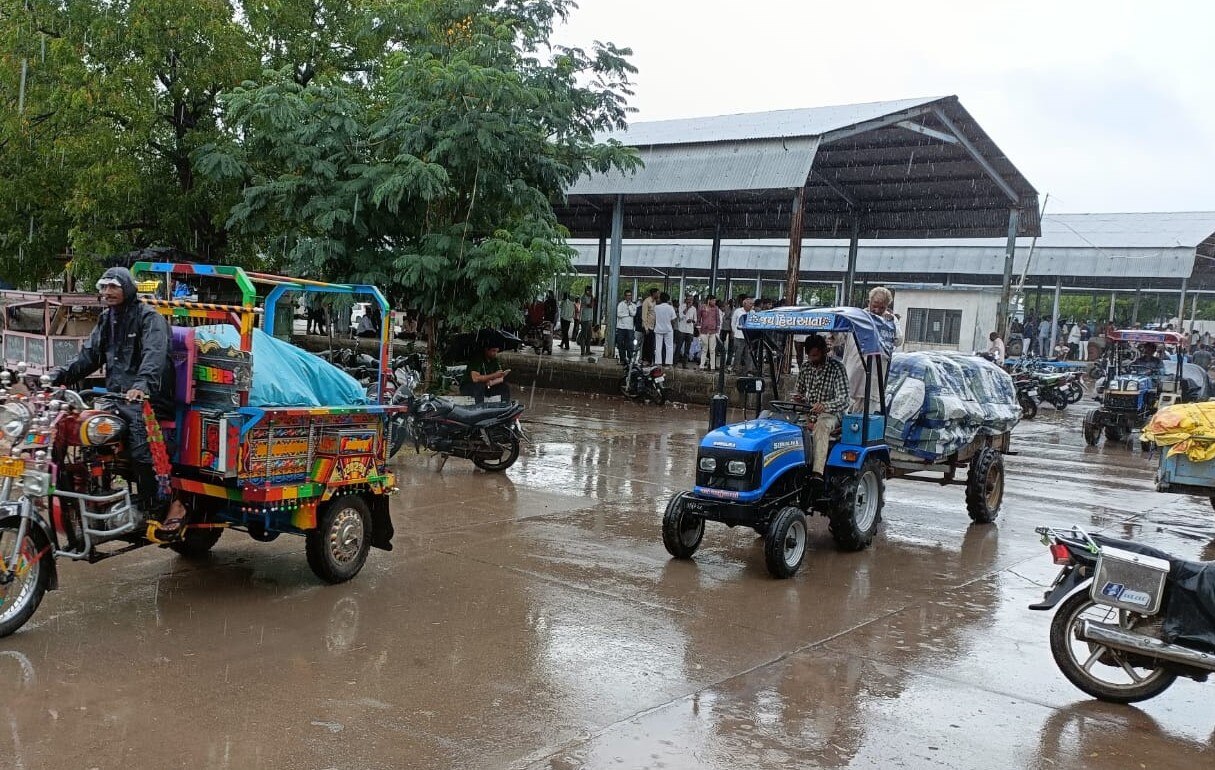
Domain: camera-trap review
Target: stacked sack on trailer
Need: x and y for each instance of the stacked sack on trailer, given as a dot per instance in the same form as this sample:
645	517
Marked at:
939	402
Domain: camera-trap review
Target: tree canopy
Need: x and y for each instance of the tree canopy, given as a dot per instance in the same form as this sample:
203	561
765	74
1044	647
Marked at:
414	144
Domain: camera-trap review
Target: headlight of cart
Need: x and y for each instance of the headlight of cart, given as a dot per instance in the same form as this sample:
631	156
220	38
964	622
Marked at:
100	429
14	420
736	468
708	464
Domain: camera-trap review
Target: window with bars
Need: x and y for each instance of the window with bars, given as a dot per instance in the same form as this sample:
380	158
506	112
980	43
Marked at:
936	327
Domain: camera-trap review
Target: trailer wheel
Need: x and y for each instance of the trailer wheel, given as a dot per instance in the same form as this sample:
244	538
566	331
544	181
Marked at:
853	521
681	534
785	545
985	486
337	548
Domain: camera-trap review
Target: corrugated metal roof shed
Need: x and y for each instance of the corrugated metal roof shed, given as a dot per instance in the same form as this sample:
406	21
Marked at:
912	168
1104	250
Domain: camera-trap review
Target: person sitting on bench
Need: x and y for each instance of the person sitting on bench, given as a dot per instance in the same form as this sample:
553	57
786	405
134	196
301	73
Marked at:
823	384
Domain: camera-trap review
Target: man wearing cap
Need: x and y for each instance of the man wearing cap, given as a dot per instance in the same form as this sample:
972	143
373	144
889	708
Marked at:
132	341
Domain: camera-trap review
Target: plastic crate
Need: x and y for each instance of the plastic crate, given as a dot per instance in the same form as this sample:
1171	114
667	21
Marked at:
1129	581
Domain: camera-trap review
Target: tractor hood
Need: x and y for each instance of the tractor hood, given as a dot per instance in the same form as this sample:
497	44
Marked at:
751	436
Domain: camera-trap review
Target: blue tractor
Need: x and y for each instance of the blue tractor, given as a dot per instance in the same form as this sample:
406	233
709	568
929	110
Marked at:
756	473
1133	389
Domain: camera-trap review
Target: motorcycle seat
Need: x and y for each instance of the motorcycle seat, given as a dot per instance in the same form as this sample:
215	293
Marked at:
472	415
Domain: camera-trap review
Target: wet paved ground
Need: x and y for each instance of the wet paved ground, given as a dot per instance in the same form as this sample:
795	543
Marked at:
534	621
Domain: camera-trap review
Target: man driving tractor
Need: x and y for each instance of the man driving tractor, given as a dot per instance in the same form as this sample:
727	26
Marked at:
823	384
132	341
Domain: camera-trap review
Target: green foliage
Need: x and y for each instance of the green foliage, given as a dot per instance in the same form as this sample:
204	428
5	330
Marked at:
432	175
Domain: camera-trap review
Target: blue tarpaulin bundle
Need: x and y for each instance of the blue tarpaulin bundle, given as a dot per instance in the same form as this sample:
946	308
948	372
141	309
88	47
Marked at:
939	402
284	375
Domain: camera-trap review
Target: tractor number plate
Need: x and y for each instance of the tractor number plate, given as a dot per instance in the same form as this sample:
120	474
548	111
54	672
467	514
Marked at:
659	380
11	467
694	506
1032	393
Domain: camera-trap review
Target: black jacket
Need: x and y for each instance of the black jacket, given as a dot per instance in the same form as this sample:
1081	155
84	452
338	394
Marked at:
132	342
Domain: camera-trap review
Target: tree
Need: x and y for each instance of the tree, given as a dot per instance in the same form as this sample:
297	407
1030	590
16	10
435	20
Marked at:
432	175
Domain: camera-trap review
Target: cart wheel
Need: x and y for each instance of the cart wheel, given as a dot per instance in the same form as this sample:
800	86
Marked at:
681	534
785	545
1092	431
20	597
197	542
1145	446
853	521
1114	433
985	486
337	548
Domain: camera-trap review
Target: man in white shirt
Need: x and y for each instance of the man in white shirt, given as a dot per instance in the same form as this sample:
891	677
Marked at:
880	300
742	355
996	348
685	331
625	310
664	330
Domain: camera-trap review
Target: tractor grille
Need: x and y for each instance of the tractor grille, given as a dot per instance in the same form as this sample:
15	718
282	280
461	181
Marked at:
719	479
1122	402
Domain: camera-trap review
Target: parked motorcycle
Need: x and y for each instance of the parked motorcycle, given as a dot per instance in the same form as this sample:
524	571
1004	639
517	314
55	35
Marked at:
1027	394
644	382
487	434
1141	619
539	337
1059	389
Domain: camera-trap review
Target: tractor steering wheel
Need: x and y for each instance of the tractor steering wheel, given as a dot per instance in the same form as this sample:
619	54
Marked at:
797	407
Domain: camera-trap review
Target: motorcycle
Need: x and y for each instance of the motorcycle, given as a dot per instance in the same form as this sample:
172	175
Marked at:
1142	619
1027	394
1059	389
539	337
643	382
488	434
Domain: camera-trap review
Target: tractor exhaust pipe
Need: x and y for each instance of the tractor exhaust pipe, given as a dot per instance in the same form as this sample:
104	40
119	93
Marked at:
1113	636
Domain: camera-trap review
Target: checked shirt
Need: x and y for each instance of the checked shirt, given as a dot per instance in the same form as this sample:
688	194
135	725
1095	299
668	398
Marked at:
826	384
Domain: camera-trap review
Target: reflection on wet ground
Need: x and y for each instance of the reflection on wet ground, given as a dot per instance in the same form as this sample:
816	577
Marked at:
534	620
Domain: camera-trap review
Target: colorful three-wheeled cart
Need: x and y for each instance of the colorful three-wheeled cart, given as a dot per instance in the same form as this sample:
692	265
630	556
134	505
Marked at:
266	439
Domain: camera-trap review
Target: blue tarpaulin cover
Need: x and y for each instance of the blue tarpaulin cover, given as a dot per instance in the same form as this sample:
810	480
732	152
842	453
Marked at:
939	402
284	375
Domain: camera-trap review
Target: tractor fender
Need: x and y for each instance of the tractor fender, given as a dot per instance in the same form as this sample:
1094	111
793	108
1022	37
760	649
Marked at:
836	459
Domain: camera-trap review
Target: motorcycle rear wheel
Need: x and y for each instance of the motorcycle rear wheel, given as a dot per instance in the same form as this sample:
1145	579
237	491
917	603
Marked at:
1029	407
503	461
1080	661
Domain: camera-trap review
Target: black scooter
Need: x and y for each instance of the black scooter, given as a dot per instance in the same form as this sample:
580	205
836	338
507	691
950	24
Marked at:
1131	618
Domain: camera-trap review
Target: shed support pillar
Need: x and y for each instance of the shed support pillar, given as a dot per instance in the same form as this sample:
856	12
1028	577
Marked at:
600	269
1193	310
1113	304
715	259
1135	306
613	287
850	274
1054	319
795	246
1014	222
1181	307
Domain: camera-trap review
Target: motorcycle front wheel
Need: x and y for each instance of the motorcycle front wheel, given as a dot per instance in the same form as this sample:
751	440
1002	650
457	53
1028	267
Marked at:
1104	673
20	597
1029	407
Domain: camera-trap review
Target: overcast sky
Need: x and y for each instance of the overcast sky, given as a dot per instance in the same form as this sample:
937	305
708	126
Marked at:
1106	106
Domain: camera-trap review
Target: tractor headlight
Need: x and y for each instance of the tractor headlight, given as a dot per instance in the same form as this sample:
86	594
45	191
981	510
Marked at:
736	468
100	429
14	420
1132	386
708	464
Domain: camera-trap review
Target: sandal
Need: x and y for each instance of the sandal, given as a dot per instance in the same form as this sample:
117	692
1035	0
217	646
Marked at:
174	518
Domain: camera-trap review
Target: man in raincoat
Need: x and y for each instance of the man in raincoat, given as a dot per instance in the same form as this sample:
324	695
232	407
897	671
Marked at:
132	341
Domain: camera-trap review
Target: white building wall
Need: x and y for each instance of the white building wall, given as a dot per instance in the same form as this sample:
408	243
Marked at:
978	308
